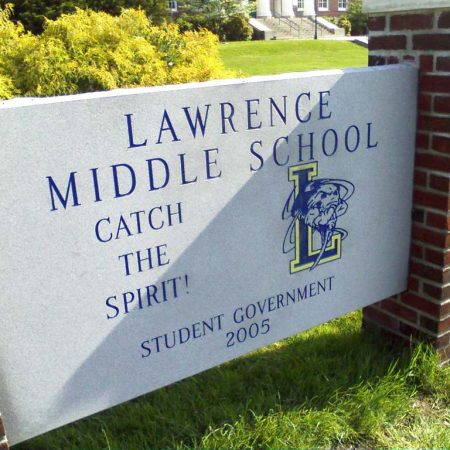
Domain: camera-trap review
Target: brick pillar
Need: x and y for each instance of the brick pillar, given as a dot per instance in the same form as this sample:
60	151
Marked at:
3	440
422	37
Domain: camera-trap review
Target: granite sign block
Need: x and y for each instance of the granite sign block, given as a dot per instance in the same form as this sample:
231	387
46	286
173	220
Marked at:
150	234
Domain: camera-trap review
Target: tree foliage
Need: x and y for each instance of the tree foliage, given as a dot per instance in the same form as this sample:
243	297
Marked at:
89	51
228	19
33	13
357	17
10	34
344	22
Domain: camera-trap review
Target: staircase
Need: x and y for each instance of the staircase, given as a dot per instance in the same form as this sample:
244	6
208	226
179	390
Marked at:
295	28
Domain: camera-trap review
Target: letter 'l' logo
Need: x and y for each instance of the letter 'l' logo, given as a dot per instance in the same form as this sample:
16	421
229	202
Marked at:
314	206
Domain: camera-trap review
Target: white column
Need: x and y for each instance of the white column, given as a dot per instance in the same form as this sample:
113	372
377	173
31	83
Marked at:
286	8
277	7
309	8
263	8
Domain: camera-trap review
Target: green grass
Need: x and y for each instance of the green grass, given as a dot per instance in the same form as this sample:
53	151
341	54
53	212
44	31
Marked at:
334	386
272	57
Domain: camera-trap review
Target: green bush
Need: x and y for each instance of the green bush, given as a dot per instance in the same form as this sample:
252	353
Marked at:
90	51
333	19
228	19
184	23
11	35
237	29
33	13
9	31
343	22
6	87
357	17
189	56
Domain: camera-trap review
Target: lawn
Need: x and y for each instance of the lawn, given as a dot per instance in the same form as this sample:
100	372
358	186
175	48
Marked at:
272	57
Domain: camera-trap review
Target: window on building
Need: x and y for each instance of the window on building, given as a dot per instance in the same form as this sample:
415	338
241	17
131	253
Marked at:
342	5
172	5
301	4
323	5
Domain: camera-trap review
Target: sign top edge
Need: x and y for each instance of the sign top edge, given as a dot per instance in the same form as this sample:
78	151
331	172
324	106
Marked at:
122	92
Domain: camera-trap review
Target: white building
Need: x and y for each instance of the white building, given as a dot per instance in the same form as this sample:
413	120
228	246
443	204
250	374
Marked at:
283	8
290	8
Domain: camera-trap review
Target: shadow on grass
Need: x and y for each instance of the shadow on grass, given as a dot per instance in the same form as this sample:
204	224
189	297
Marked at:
306	370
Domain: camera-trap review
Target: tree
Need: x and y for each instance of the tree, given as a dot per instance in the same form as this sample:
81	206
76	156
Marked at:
33	13
155	9
215	15
357	17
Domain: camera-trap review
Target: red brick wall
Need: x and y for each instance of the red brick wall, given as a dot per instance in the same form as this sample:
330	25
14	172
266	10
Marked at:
3	441
333	9
423	312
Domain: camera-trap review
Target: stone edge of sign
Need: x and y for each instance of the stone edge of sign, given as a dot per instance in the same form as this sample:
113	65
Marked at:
384	6
31	101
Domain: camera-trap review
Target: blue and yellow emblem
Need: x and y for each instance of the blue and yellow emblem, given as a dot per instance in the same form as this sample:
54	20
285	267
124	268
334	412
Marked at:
314	206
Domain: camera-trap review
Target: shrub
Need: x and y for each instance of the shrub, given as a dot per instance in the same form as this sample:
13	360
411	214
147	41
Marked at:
85	52
343	22
10	34
334	20
200	59
89	51
357	18
33	13
237	29
228	19
9	31
189	56
184	23
6	88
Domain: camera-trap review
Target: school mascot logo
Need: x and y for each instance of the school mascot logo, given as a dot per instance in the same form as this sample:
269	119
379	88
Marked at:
314	206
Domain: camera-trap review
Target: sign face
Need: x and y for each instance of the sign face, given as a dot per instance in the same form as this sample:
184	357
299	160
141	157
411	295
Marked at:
150	234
